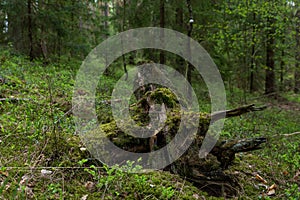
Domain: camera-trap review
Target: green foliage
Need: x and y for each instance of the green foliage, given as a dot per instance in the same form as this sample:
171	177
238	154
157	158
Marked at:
292	192
279	159
58	28
38	132
239	35
236	36
55	191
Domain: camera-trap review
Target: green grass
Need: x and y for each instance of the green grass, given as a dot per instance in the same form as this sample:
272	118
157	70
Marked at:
279	160
38	133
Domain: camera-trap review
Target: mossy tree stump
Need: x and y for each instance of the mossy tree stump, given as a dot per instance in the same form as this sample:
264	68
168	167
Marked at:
189	165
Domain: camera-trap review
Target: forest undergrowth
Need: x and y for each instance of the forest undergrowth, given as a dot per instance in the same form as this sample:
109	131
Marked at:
41	156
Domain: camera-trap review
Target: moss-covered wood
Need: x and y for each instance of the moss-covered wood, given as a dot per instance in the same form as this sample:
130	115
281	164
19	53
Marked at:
189	164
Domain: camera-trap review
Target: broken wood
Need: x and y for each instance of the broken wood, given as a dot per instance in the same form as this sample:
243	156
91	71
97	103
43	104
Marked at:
224	151
236	112
189	164
14	100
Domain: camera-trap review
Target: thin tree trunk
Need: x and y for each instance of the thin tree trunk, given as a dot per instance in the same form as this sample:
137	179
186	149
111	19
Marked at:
30	34
123	27
179	18
270	71
43	42
179	24
282	63
297	65
162	58
252	66
190	29
106	13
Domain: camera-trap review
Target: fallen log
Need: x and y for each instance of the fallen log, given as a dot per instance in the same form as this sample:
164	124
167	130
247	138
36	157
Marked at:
189	164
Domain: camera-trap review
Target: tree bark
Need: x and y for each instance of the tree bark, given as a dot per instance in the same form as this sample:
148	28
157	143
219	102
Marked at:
190	29
123	28
189	164
297	65
180	63
270	70
252	66
282	64
235	112
30	34
223	152
162	58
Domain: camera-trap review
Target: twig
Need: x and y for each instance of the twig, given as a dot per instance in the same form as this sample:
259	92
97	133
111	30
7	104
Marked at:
286	135
291	134
14	100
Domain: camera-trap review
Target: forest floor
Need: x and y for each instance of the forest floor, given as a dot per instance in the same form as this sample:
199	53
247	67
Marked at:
41	157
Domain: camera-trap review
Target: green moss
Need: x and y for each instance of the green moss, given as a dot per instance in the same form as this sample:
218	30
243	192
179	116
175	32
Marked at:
29	143
163	95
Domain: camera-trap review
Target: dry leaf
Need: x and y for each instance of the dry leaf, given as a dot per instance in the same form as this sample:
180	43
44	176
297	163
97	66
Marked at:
82	149
90	186
29	193
84	197
271	192
285	173
258	177
7	186
296	177
45	172
196	196
24	179
4	173
272	187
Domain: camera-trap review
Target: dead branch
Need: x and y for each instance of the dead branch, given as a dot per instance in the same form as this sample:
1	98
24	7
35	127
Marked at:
14	100
286	135
291	134
235	112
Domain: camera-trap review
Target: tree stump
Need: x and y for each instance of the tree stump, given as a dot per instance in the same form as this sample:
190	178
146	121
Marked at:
201	171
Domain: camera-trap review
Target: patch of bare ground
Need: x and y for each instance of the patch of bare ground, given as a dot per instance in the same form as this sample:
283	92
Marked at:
283	103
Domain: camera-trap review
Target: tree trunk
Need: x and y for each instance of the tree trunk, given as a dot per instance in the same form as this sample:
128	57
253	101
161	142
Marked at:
106	14
162	58
180	25
43	42
297	65
123	28
30	34
270	71
252	66
282	63
190	29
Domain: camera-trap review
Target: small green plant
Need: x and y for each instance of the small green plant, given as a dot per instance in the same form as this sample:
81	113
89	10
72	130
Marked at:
92	171
82	162
55	191
117	180
3	185
167	193
292	193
